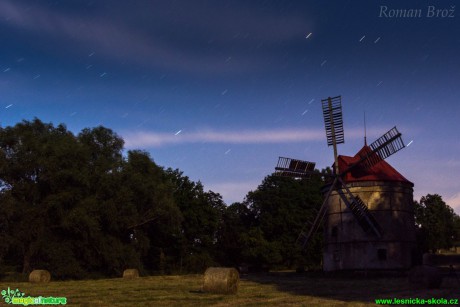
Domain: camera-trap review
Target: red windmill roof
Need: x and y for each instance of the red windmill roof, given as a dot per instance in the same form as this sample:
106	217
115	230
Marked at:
382	171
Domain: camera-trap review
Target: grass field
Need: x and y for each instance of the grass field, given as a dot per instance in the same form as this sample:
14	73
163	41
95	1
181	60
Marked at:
272	289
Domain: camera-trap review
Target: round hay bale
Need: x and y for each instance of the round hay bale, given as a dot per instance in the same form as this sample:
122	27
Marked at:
425	277
39	276
130	274
221	280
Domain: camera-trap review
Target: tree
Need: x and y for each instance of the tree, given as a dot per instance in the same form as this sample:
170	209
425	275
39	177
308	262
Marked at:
73	205
280	206
237	219
158	218
39	167
437	223
196	245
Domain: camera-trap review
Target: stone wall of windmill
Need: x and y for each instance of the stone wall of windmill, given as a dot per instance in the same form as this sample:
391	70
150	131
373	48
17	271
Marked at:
348	247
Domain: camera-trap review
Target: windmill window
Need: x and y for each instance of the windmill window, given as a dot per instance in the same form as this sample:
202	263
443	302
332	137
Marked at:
382	254
334	231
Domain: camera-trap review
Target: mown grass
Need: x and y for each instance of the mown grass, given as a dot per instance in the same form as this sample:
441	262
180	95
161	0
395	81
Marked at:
274	289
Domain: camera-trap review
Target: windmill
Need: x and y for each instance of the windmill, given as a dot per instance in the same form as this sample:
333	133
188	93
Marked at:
370	156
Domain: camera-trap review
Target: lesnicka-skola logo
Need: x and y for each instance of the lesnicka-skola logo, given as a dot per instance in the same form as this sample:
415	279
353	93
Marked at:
17	297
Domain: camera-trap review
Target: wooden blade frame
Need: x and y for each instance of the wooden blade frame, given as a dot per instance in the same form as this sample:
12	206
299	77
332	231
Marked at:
288	167
332	113
356	206
388	144
333	122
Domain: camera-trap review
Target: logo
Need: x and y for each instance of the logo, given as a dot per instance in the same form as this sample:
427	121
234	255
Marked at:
17	297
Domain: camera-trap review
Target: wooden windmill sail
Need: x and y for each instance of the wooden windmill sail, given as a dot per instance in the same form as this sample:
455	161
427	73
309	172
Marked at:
382	148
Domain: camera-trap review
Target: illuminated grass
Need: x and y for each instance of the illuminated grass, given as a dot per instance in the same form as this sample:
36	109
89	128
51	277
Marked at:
257	290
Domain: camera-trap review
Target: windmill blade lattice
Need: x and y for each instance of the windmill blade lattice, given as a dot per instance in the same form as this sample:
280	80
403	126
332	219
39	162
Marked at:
388	144
332	112
288	167
360	211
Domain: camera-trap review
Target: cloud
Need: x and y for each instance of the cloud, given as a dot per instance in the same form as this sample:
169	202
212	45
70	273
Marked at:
98	35
154	139
146	139
160	39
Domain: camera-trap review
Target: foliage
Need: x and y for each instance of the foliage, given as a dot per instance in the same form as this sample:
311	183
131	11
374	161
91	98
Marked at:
196	243
41	171
236	222
73	205
438	224
262	231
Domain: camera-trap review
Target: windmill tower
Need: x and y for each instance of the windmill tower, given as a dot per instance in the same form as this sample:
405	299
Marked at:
367	207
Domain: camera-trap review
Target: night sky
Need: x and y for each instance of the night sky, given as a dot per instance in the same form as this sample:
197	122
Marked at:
220	89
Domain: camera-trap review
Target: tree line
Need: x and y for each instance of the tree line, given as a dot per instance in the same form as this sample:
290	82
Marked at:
80	208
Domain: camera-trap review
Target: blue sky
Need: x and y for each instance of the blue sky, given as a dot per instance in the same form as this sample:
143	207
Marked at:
220	89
